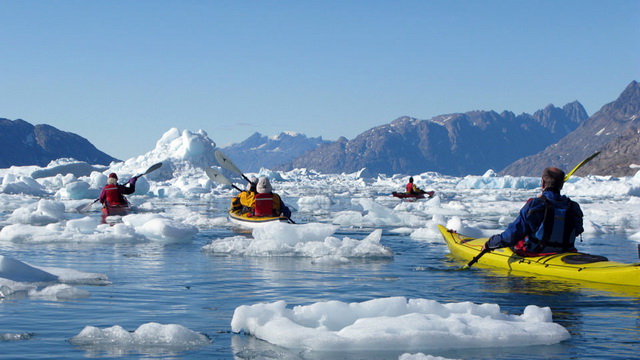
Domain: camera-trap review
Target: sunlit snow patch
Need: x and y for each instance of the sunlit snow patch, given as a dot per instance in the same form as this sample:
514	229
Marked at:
395	324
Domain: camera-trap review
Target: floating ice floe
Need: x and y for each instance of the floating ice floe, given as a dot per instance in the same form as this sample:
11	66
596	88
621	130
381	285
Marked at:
395	324
160	228
310	240
19	184
17	277
132	228
42	213
150	337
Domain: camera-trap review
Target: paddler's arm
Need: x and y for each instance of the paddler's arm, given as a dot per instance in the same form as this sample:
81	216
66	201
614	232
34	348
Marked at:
515	232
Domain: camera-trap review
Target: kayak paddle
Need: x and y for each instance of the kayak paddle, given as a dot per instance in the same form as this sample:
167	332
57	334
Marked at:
214	175
580	165
567	176
151	168
85	207
475	259
226	163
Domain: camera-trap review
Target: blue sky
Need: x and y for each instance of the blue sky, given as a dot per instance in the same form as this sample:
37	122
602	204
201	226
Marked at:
121	73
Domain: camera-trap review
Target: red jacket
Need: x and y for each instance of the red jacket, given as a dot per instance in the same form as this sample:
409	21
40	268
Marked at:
113	195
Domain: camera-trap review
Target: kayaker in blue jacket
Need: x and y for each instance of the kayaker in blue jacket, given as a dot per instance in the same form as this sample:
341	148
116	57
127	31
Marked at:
547	224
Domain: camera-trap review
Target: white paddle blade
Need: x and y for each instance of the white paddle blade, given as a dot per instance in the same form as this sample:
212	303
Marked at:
226	163
214	175
85	207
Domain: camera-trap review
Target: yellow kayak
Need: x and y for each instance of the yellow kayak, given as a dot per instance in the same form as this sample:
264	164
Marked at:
575	266
253	222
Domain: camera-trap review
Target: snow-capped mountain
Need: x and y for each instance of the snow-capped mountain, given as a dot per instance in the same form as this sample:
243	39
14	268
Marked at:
259	151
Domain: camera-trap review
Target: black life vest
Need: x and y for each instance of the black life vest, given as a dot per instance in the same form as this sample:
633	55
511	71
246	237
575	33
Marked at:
557	232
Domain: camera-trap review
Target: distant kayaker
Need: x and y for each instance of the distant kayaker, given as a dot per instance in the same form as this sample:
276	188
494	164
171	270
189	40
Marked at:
113	193
547	224
412	188
245	201
268	203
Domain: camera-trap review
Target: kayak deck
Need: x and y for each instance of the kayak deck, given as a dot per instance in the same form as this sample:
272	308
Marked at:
404	195
254	221
591	268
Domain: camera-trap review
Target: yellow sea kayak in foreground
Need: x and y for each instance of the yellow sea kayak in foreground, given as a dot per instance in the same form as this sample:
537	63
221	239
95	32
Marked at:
575	266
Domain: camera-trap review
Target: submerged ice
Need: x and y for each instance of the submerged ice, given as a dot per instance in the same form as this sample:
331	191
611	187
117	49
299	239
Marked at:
152	336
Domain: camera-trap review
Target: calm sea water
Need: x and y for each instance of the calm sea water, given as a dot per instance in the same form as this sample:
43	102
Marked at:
179	284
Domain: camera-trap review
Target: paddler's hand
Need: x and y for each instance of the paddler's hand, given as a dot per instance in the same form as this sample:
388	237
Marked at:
486	246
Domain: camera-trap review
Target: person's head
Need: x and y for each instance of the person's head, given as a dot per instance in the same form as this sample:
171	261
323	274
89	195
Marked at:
113	179
411	179
264	186
251	185
552	179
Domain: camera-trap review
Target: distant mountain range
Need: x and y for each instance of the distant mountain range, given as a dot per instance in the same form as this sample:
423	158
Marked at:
473	142
25	144
259	151
455	144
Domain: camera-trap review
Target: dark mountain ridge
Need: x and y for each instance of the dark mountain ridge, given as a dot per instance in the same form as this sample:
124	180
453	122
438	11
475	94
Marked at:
454	144
26	144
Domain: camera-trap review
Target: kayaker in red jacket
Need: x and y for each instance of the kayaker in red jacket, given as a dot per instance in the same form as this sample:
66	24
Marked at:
547	224
268	203
113	193
412	188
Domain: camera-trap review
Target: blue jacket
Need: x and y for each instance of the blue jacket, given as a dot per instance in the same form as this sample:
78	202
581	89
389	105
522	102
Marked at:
529	220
